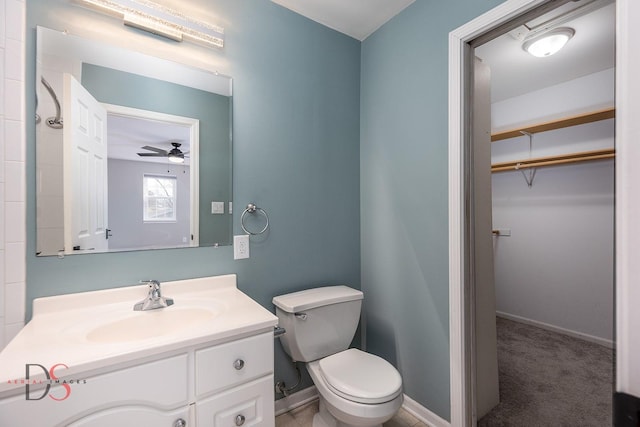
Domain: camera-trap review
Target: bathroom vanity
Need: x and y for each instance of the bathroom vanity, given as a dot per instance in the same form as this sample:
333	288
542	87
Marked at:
89	360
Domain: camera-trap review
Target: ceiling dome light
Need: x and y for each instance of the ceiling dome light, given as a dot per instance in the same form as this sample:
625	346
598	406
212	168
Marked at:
548	43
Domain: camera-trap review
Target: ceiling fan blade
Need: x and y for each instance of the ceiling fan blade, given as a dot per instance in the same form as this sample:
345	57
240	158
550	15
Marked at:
157	150
152	154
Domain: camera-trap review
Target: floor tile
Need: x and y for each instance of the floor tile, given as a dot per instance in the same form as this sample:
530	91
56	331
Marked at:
303	417
286	420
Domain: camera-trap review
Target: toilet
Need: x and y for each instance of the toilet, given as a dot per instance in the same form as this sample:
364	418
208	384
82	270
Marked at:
356	388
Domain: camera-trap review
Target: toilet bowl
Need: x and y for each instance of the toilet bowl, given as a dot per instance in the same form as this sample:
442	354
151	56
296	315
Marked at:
355	388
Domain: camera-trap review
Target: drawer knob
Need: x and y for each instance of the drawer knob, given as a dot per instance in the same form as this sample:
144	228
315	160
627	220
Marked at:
238	364
180	423
239	420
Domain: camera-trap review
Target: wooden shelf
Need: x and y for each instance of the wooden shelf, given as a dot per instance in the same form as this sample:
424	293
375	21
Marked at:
562	159
580	119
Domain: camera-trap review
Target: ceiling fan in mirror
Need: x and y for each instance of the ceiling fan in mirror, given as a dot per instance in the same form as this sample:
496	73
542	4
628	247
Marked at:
174	155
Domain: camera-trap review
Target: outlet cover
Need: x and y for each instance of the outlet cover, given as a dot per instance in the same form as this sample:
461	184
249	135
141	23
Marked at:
241	246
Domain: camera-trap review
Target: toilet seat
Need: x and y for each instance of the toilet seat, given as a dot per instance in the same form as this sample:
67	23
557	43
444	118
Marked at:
360	377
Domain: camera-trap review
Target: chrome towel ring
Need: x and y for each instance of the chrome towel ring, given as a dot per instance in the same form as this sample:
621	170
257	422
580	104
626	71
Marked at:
252	208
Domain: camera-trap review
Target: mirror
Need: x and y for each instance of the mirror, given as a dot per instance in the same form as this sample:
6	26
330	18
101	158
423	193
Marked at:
133	152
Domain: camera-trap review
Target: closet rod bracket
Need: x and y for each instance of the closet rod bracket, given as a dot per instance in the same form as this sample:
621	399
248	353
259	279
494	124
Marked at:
532	171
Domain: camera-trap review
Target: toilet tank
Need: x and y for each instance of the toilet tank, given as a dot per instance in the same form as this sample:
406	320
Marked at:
319	321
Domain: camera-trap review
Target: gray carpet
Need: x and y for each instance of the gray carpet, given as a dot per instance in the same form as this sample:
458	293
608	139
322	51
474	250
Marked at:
549	379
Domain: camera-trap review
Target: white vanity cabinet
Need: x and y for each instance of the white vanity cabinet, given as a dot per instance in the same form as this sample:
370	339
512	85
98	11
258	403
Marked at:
224	385
205	361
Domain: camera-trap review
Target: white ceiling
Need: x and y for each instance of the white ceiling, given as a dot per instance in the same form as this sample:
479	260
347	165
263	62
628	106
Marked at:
513	71
355	18
127	136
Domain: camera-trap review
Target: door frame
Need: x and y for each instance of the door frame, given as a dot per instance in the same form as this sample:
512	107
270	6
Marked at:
627	228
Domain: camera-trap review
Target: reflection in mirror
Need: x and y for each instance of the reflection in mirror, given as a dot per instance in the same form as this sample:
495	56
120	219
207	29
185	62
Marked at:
165	172
138	155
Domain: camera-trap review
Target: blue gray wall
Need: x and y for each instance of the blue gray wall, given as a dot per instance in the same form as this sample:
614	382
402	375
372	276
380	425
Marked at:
296	154
403	176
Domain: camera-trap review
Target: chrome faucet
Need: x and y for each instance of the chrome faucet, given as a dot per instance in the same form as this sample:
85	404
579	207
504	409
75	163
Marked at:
154	299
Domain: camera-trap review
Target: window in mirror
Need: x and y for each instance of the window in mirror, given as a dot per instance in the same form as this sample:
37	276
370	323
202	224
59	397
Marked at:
159	198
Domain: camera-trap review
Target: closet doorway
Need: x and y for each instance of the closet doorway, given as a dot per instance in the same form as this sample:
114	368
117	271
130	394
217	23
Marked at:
548	192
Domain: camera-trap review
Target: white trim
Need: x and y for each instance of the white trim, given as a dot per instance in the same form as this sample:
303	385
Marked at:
459	378
627	201
458	383
553	328
423	414
296	400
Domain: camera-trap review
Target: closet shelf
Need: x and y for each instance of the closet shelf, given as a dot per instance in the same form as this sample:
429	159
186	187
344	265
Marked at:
561	159
580	119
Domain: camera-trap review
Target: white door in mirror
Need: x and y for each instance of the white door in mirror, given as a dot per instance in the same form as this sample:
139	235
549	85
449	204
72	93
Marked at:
85	172
241	246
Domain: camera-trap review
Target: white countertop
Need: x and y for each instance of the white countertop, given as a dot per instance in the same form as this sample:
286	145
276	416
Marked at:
57	332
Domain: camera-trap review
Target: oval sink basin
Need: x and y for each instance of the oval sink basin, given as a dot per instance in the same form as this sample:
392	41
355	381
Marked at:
141	325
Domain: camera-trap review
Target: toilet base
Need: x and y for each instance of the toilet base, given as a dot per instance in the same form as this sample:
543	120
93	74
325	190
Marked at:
325	418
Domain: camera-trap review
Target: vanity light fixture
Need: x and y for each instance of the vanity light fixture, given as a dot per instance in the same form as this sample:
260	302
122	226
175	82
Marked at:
548	43
161	20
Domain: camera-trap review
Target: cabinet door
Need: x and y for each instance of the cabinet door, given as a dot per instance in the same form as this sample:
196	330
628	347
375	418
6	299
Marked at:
250	404
162	384
138	416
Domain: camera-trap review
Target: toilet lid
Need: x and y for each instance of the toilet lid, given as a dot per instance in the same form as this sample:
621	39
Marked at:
361	377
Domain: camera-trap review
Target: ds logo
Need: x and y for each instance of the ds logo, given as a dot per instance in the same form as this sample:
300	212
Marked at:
52	379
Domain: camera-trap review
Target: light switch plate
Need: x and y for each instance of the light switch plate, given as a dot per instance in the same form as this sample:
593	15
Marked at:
241	246
217	207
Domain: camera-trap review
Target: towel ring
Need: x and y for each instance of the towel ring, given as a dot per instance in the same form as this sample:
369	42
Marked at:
252	208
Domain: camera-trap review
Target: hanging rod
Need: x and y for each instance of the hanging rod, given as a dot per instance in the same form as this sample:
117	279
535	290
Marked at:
579	119
561	159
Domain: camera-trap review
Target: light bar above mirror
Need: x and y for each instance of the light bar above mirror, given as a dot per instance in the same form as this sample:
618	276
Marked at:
160	20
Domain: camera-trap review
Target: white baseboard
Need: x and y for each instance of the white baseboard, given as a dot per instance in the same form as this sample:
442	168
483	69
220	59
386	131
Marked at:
423	414
296	400
310	394
553	328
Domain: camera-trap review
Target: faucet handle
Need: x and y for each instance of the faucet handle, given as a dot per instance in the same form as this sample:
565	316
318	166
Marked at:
154	288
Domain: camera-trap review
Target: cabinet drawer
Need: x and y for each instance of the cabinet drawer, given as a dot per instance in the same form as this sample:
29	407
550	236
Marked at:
247	405
226	365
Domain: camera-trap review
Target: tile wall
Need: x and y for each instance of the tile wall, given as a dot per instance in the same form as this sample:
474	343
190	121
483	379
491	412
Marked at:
12	169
